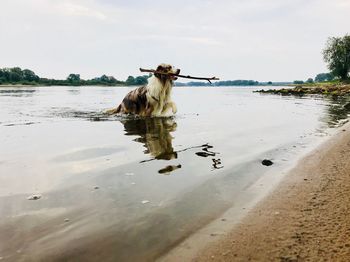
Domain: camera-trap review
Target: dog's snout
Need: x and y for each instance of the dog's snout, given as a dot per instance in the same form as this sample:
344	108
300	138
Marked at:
178	71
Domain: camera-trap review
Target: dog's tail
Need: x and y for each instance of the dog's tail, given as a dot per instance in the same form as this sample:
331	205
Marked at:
114	111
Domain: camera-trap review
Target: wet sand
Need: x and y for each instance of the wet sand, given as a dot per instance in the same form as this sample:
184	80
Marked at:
306	218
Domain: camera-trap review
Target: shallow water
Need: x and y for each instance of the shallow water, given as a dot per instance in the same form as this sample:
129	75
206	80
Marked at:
126	189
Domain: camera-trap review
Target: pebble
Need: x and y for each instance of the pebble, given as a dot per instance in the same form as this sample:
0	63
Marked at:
129	174
267	162
145	201
66	220
96	187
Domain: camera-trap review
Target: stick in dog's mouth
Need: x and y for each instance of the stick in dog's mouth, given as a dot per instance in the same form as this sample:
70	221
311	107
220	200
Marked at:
175	76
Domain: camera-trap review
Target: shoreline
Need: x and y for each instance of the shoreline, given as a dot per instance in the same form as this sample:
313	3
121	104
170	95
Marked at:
337	89
298	219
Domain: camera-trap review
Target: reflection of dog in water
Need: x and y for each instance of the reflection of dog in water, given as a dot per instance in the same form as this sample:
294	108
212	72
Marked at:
155	134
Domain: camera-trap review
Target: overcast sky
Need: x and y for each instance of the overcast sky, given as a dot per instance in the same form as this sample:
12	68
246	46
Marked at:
263	40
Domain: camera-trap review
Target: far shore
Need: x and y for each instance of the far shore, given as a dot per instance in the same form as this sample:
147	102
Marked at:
19	85
338	88
305	218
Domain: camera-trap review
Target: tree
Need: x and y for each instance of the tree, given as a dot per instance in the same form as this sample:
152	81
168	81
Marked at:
73	78
15	74
130	80
298	82
112	80
29	75
322	77
104	78
309	80
141	80
337	55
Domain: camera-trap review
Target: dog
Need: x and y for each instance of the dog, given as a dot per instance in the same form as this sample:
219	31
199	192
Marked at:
153	99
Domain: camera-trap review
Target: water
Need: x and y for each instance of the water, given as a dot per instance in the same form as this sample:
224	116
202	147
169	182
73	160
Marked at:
123	189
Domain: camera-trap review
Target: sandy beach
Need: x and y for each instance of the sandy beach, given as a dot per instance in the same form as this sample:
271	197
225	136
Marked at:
306	218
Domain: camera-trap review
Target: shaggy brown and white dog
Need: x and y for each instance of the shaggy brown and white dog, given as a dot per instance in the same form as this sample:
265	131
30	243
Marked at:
153	99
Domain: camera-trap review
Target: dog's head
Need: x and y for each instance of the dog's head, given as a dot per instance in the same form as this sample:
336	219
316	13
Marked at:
165	68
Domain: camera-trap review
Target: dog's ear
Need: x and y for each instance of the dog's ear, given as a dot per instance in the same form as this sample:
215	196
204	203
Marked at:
160	68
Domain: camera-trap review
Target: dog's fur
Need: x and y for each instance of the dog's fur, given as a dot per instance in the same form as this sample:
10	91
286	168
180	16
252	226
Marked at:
154	99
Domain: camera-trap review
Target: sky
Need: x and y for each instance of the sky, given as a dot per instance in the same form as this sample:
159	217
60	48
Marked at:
263	40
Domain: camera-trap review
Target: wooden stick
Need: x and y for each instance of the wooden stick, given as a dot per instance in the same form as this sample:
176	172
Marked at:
183	76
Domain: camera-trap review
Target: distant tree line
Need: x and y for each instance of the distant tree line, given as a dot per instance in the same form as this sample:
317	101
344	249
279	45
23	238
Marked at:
222	83
322	77
16	75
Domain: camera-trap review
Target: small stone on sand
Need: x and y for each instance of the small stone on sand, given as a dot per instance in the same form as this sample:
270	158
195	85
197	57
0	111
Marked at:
145	201
267	162
66	220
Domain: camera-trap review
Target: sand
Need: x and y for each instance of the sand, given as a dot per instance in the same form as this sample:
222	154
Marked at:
305	218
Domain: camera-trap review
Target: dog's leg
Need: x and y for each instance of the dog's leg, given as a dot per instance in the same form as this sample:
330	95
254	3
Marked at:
114	111
168	106
173	107
148	110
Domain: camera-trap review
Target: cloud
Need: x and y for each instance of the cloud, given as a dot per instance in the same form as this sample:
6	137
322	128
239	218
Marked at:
73	9
253	39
